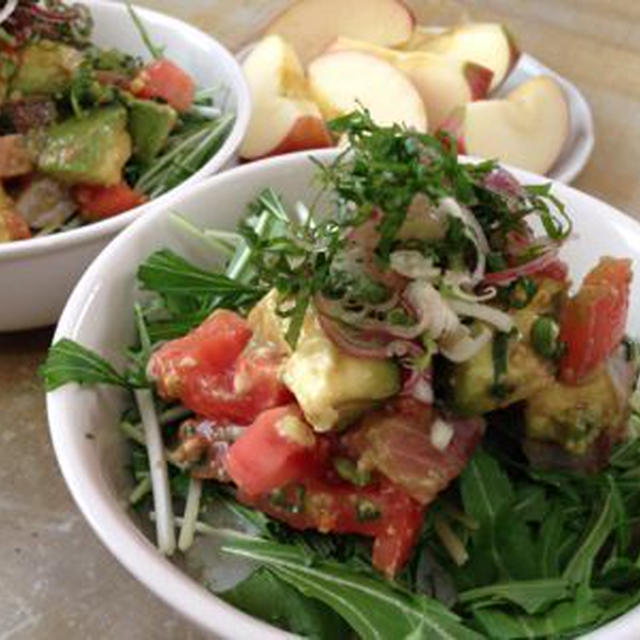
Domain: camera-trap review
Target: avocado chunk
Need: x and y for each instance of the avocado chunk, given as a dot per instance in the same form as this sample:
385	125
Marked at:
473	386
45	67
91	149
150	124
574	416
331	387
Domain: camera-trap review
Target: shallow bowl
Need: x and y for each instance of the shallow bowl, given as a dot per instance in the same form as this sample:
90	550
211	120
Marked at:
37	275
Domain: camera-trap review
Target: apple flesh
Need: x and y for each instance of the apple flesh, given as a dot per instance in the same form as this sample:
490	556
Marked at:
486	43
284	117
340	81
443	83
311	25
527	129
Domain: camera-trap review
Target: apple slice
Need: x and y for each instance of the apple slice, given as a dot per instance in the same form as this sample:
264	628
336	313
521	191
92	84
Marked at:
443	83
341	80
284	117
311	25
527	129
486	43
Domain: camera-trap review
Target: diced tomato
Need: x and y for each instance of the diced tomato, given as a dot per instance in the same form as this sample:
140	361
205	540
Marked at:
12	226
165	79
97	202
593	322
213	372
383	511
414	447
277	449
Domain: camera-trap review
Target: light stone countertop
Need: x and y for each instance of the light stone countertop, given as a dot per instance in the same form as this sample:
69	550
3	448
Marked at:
56	580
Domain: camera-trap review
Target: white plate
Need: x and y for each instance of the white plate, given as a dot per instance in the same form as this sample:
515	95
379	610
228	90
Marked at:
579	144
37	275
99	316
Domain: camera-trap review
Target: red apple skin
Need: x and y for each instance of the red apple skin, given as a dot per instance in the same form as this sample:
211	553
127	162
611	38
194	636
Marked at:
514	52
308	132
453	126
409	10
479	79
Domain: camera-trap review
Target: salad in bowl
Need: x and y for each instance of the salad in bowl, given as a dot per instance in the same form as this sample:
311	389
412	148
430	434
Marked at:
421	428
106	112
88	132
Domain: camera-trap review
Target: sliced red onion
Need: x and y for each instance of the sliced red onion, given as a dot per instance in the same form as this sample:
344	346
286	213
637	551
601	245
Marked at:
348	342
507	276
502	182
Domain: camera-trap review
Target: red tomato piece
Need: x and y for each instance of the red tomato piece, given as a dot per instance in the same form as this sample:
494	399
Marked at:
165	79
382	511
277	449
593	321
215	374
97	202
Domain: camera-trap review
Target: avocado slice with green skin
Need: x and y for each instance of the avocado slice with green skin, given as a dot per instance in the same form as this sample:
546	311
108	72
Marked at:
90	149
45	67
150	124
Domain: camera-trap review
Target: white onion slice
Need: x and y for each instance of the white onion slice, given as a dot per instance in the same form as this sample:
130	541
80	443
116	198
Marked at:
467	347
499	319
413	264
441	434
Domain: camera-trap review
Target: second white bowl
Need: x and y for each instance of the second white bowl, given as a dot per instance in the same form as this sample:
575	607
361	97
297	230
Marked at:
37	275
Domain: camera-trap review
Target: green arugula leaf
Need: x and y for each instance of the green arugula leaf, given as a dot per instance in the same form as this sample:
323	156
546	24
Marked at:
531	595
485	488
165	272
374	608
266	596
531	503
155	51
580	566
501	624
551	535
68	361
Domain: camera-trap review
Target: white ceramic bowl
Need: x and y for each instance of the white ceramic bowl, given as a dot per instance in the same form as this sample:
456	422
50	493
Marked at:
37	275
99	315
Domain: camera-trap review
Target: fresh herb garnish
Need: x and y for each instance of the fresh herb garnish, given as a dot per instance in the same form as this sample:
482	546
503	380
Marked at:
68	361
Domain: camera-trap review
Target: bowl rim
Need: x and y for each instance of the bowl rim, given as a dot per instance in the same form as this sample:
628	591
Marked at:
111	523
105	228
